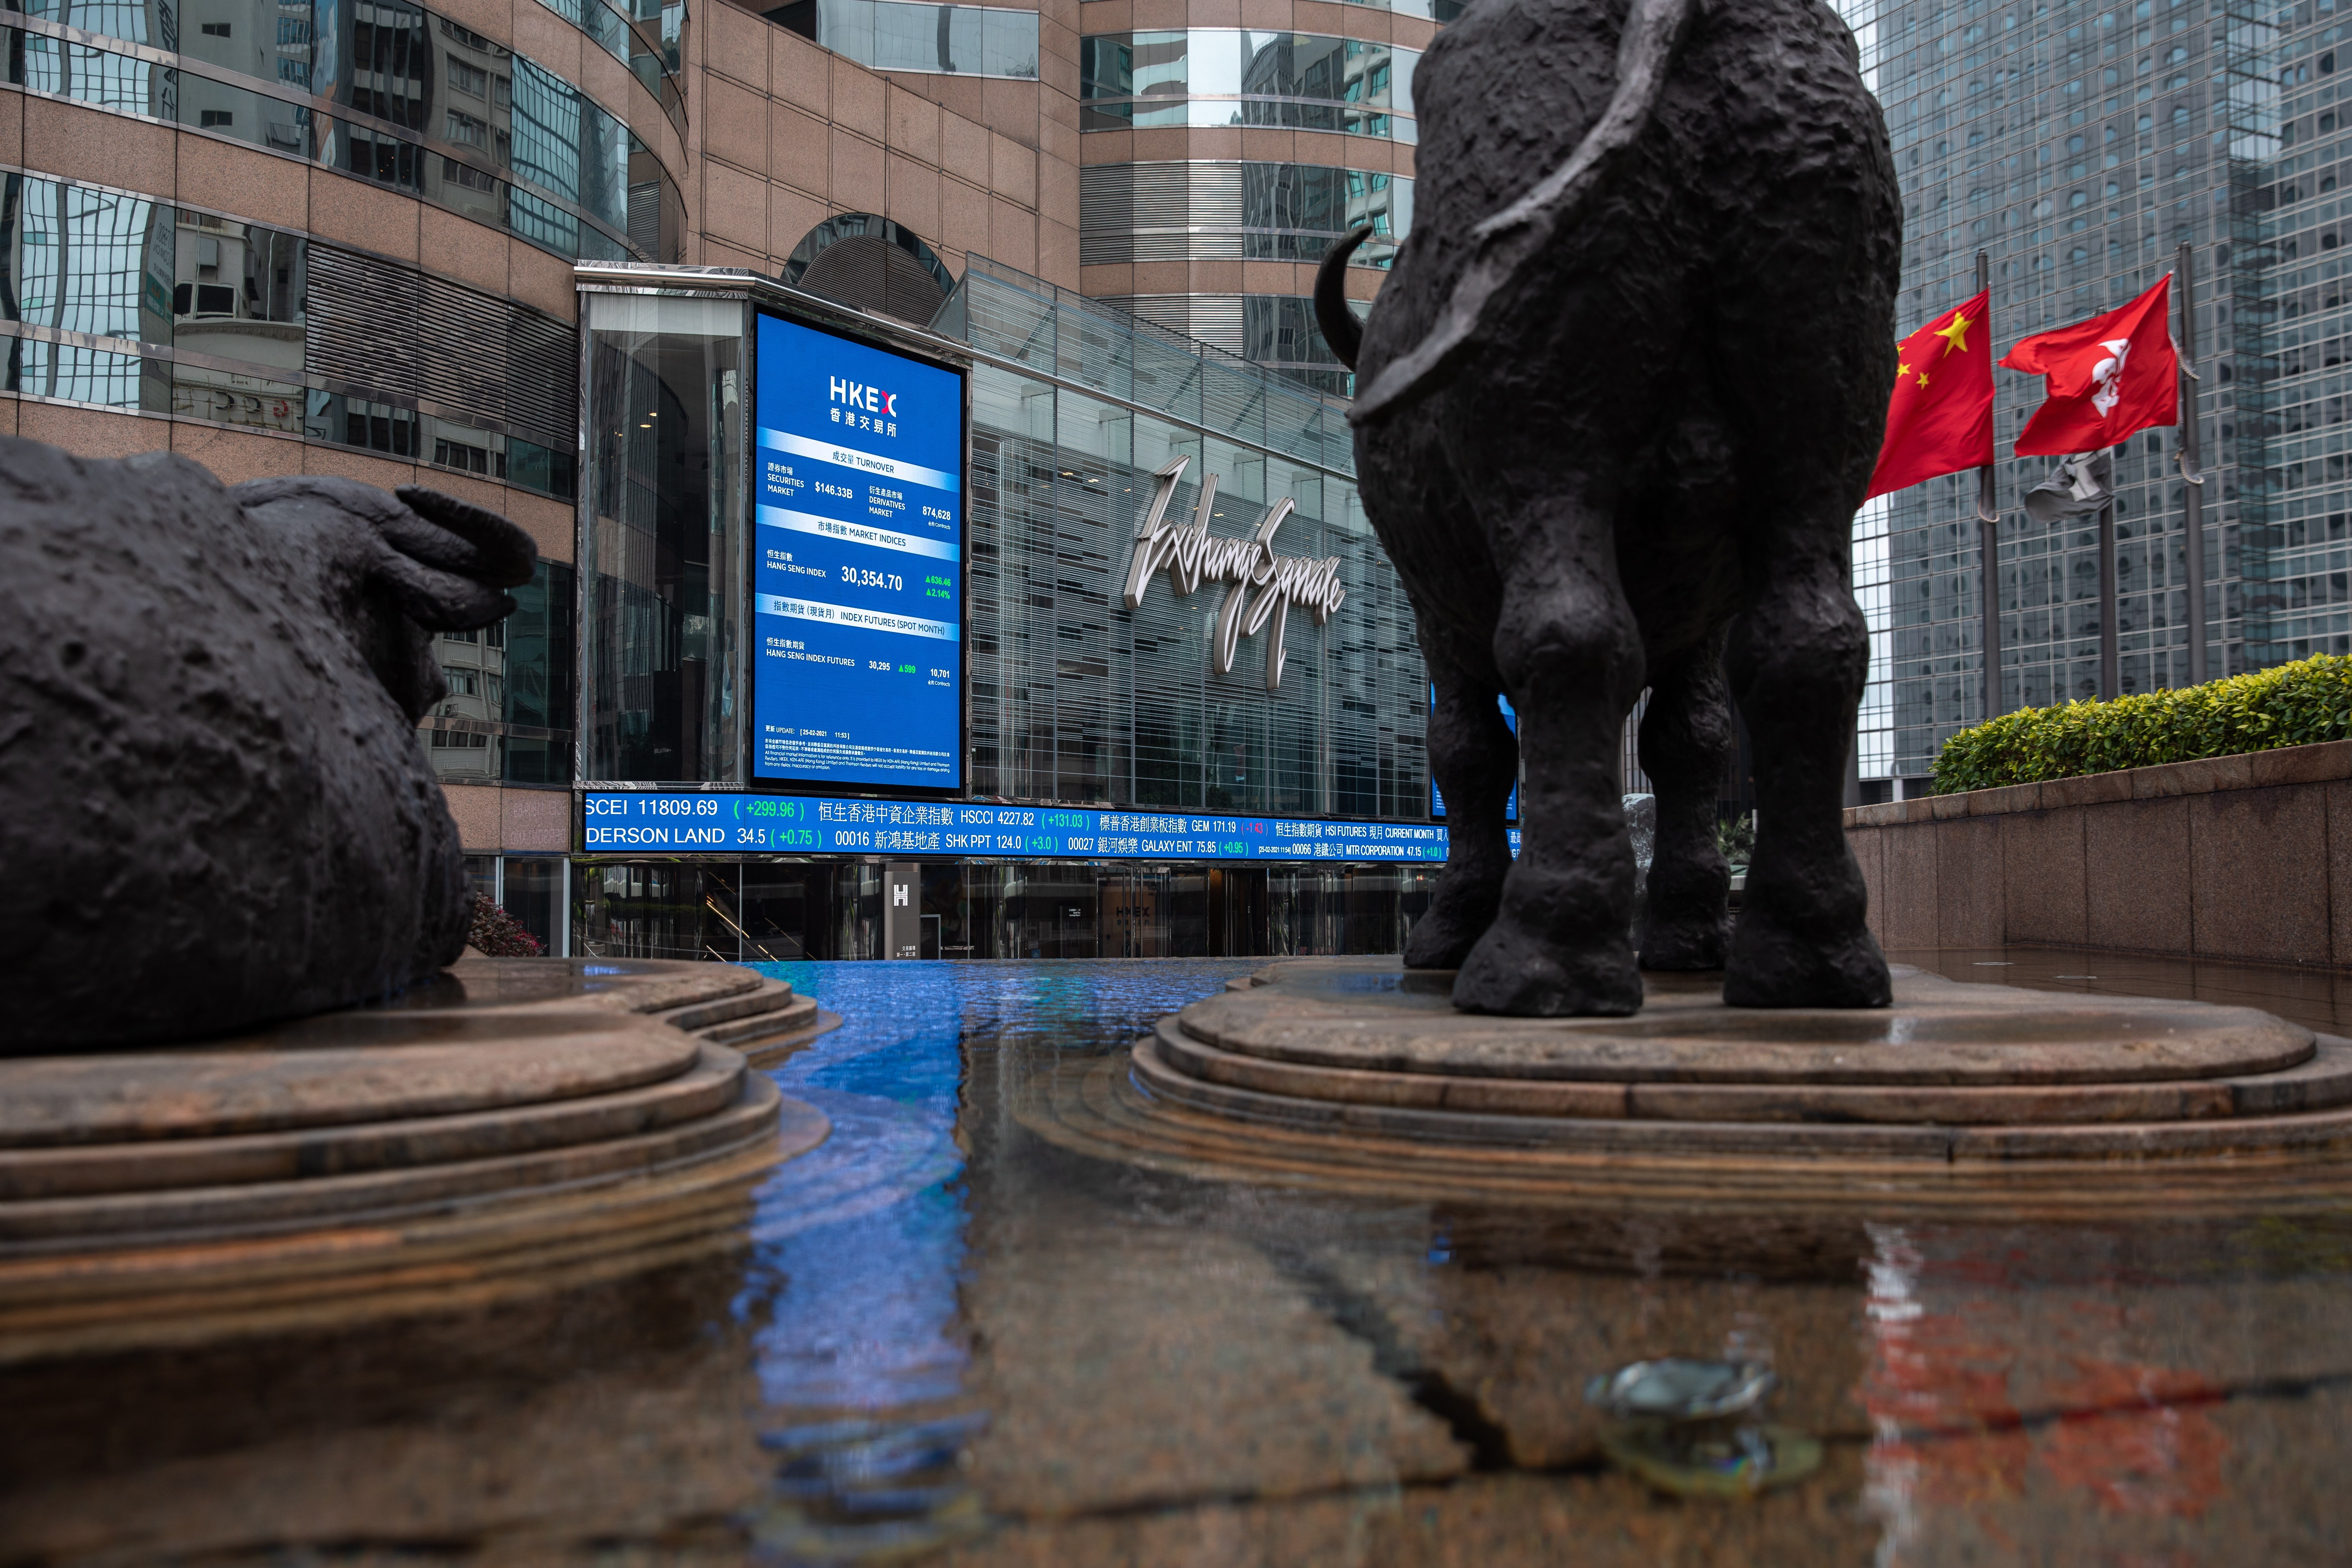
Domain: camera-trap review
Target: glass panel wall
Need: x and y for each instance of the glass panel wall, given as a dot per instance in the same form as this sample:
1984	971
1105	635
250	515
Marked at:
1234	76
755	910
433	108
663	540
533	893
509	712
1072	696
900	35
207	318
1207	210
1076	698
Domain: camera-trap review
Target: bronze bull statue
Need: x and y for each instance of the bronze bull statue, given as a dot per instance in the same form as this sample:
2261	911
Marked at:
1616	409
214	809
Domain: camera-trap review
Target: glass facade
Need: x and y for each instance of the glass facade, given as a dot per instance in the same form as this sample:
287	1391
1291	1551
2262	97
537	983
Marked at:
117	299
753	911
1230	76
900	35
662	539
509	712
1212	210
2080	145
423	104
1073	698
1191	210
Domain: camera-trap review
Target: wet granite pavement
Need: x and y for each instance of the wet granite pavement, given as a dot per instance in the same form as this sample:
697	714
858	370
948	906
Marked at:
954	1341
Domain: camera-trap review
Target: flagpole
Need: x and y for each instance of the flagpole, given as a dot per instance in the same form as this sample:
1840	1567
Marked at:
2191	470
1988	538
2109	681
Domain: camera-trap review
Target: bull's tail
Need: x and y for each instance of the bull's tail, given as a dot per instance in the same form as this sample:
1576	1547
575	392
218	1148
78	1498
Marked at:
1340	328
1506	242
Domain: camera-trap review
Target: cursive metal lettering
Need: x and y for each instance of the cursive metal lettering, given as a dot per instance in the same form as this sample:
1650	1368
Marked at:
1264	585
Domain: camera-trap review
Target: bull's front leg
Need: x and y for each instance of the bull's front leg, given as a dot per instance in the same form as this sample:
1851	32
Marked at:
1571	656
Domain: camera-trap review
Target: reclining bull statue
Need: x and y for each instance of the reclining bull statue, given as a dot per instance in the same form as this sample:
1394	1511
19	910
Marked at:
214	808
1616	408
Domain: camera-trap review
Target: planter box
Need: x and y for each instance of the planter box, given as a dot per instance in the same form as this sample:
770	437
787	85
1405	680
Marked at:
2245	858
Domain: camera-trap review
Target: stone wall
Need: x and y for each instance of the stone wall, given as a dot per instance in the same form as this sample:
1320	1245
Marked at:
2245	858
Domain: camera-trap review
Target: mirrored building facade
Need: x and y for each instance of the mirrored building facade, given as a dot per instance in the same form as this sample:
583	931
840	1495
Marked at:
349	237
1072	697
1221	162
2079	146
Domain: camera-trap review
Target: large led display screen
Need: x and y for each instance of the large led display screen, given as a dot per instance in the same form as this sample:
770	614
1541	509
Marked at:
618	821
859	582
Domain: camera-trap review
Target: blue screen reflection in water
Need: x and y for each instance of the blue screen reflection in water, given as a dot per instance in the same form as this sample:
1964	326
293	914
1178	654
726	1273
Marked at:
860	1242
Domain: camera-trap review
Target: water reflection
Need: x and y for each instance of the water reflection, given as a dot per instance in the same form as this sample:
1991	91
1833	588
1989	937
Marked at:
955	1339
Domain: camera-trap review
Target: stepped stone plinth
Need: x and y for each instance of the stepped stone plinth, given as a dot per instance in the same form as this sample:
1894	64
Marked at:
520	1124
1358	1073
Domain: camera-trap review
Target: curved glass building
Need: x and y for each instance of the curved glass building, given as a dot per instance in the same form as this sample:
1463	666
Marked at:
673	285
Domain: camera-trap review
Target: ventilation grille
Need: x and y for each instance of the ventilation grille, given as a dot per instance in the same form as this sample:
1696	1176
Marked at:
358	321
393	332
874	275
645	219
1159	196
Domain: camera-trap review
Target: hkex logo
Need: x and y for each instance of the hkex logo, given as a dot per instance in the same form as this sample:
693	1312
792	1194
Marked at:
869	399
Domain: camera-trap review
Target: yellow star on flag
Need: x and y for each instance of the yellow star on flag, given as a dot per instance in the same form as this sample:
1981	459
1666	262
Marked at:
1923	378
1955	333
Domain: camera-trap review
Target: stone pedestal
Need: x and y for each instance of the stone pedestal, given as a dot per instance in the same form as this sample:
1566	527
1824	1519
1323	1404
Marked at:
1355	1072
521	1124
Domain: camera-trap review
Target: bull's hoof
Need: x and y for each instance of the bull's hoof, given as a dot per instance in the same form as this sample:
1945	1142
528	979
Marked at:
1685	942
1774	966
1438	940
1458	916
1511	973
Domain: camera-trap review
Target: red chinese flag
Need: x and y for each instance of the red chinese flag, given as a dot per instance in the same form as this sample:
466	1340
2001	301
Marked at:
2106	377
1939	420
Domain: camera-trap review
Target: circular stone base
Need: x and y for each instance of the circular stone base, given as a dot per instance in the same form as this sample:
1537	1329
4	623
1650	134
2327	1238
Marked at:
1360	1061
521	1124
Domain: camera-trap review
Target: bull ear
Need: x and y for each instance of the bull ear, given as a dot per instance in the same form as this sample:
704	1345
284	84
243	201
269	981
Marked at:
457	536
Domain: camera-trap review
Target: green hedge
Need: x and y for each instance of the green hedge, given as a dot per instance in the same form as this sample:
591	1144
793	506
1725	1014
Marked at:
2290	705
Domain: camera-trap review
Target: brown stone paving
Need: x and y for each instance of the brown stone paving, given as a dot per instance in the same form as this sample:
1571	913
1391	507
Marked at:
1481	1522
525	1432
1130	1367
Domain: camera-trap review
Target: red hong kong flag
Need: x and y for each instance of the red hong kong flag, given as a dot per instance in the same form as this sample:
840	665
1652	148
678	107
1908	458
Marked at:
2107	377
1939	420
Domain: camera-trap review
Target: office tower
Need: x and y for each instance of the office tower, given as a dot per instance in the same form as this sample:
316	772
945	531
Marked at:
2079	146
1219	162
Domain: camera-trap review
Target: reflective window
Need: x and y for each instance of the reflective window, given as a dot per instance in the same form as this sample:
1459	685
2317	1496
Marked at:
508	714
1209	210
81	375
662	636
1125	705
1228	75
234	323
1439	11
437	110
300	41
897	35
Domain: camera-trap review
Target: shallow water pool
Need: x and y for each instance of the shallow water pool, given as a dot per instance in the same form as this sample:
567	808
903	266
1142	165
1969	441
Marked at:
967	1330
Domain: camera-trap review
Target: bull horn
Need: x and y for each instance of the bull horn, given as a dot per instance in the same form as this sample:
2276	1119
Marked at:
1340	328
1507	242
